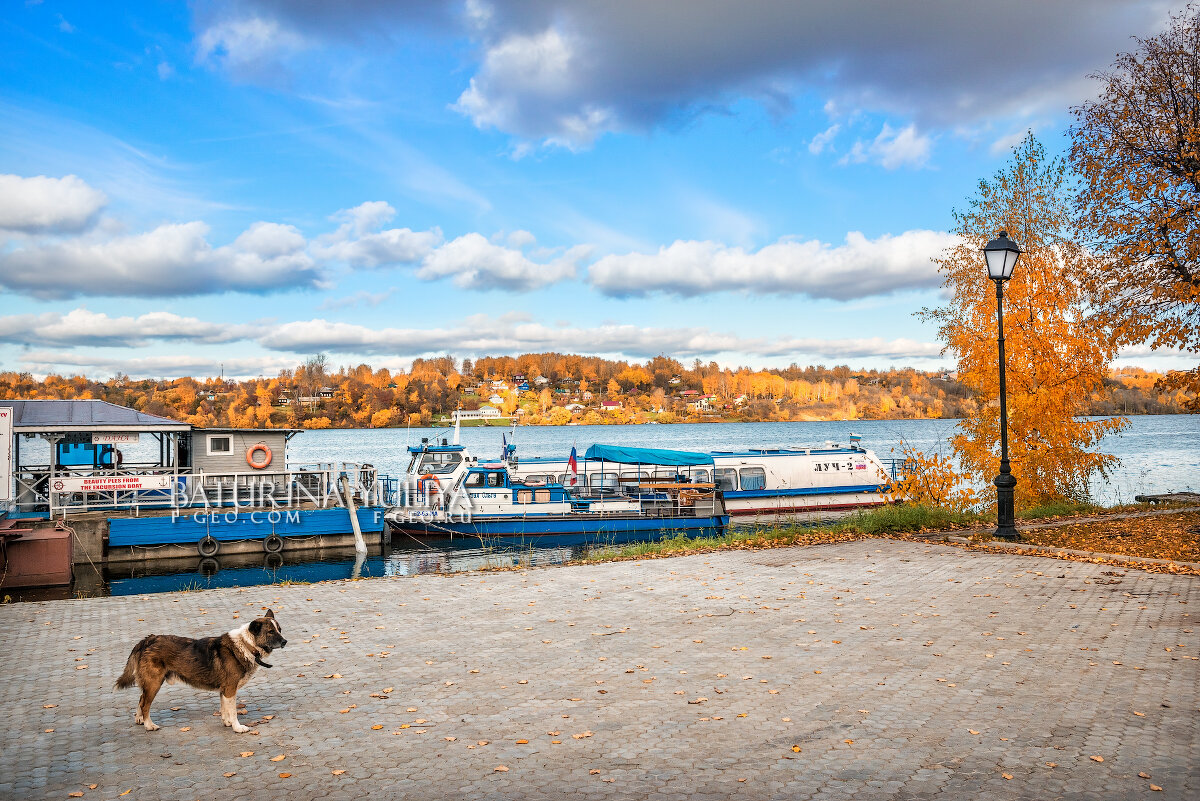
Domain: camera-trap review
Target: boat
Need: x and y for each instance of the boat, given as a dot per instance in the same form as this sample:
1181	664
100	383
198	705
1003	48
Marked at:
620	495
768	485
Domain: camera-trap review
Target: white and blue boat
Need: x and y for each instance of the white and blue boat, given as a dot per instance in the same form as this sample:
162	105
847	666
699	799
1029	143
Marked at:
766	485
620	495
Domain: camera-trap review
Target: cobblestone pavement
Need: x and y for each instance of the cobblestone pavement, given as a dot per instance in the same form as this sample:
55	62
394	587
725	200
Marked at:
875	669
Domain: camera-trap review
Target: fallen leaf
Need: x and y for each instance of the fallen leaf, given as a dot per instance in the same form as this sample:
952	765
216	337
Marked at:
1143	775
1052	764
848	742
796	749
127	792
1006	775
1155	788
522	742
74	795
279	758
1140	714
186	728
247	754
229	774
338	772
285	775
449	739
499	769
1097	758
972	731
594	772
377	727
49	706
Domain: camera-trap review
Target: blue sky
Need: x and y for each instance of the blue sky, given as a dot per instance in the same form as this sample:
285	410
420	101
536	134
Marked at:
245	183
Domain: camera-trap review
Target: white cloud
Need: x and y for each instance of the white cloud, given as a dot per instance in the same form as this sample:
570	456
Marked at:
171	260
81	327
41	204
475	263
823	139
359	242
247	43
482	334
161	366
892	148
857	268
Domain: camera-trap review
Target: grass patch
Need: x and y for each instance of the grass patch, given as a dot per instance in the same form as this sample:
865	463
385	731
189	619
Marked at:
1061	509
873	522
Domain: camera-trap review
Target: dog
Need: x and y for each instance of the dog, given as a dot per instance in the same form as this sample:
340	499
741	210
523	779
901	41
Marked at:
222	663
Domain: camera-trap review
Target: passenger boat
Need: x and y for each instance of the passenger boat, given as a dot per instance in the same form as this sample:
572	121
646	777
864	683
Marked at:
621	494
766	485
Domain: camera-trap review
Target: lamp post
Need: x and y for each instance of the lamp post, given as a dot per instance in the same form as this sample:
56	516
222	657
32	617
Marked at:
1001	255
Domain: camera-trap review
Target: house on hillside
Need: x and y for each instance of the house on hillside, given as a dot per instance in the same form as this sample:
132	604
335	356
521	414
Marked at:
609	406
701	404
496	399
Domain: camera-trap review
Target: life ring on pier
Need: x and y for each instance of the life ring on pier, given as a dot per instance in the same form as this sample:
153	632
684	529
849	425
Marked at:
258	464
273	543
421	485
117	457
208	546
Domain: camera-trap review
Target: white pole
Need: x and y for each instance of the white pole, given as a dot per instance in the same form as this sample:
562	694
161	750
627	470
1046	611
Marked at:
359	545
457	422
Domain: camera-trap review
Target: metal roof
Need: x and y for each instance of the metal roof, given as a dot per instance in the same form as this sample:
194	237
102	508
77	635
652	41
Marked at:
59	416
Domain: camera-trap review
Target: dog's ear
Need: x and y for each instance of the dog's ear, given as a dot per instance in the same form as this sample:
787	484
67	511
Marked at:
256	627
270	613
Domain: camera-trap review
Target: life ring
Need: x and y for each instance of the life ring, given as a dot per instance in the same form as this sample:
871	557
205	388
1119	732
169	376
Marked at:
117	457
258	464
208	546
273	543
428	477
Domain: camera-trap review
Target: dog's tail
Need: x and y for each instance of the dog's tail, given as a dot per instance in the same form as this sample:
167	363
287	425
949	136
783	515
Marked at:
127	679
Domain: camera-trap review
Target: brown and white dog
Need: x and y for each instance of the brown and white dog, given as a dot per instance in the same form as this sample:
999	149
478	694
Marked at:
222	663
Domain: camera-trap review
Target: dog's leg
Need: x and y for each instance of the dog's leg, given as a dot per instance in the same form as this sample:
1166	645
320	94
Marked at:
149	690
229	710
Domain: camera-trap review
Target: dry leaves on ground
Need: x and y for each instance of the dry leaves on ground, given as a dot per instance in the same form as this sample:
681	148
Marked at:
1168	536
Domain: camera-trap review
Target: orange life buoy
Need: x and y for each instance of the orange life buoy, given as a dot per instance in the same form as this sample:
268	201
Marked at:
428	477
117	457
258	464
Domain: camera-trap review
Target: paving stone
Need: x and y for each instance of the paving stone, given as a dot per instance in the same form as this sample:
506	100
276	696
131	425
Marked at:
674	678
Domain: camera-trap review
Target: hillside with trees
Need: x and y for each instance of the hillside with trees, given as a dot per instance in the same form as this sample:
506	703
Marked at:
557	389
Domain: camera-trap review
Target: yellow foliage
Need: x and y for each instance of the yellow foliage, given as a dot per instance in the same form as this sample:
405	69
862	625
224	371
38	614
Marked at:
930	480
318	422
1057	354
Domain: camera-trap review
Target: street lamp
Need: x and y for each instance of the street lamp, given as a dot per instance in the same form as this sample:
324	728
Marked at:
1001	255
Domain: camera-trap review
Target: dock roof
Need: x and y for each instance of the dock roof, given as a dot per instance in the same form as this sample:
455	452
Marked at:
60	416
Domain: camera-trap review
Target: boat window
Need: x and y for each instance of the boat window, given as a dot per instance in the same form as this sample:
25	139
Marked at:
541	496
474	480
525	496
565	480
753	478
539	478
726	479
495	478
604	480
700	476
439	462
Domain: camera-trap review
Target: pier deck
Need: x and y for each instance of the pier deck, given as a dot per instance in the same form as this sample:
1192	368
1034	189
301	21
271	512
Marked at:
872	670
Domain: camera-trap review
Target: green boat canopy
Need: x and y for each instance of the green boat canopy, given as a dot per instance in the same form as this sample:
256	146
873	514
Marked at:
655	456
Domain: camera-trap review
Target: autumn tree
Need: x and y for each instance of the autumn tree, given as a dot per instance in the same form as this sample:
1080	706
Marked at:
1137	150
1057	354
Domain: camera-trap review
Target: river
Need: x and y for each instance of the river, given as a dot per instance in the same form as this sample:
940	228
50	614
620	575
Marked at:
1158	453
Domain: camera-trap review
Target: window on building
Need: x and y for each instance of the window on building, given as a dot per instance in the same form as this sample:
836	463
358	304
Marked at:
753	478
218	445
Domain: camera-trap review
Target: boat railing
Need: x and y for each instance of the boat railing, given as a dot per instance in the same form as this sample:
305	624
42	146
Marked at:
66	490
